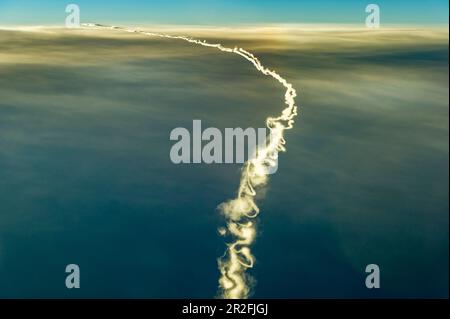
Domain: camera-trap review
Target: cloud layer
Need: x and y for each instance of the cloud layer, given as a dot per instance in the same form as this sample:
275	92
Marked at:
84	149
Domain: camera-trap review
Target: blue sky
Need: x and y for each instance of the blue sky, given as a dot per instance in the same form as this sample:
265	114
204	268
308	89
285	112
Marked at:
19	12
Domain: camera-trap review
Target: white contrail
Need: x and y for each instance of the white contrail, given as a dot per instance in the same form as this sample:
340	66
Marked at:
240	211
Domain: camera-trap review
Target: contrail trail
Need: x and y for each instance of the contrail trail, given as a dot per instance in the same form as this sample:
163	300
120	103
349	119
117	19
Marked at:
241	211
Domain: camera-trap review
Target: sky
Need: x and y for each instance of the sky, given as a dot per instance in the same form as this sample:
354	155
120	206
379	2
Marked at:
86	176
49	12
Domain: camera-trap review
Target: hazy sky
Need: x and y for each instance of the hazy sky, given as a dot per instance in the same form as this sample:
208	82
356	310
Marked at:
19	12
86	177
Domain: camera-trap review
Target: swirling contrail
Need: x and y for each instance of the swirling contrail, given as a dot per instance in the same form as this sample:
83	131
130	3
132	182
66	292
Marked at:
240	211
